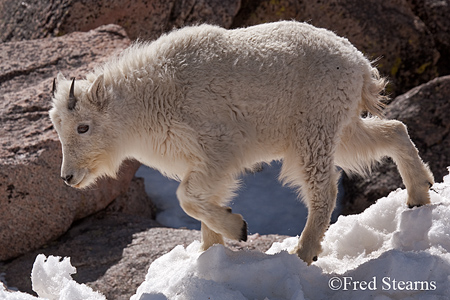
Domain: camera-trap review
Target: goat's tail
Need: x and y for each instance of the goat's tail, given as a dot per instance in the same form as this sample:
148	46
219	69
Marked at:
372	93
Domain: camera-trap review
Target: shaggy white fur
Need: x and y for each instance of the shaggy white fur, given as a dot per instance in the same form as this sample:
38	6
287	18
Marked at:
201	104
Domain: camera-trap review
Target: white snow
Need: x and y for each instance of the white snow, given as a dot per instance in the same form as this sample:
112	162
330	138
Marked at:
51	279
386	252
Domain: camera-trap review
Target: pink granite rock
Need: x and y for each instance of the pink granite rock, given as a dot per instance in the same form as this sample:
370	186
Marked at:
141	19
35	205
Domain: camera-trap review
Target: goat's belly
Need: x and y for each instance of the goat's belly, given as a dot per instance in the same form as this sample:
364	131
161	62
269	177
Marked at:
171	167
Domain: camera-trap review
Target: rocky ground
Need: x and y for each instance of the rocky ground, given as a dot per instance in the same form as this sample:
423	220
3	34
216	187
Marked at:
108	231
113	248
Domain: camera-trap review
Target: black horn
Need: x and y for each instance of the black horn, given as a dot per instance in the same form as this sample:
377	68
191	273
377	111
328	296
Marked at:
54	87
72	99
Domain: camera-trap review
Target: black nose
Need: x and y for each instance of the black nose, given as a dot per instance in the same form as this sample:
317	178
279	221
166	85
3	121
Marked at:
67	178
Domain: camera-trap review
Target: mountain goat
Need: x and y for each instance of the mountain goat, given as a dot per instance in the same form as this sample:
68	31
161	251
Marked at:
202	104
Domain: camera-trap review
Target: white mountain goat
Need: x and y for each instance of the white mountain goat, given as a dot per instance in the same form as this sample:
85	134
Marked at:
202	104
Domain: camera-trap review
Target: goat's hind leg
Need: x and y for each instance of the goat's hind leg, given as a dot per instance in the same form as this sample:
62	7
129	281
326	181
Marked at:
321	203
316	175
371	139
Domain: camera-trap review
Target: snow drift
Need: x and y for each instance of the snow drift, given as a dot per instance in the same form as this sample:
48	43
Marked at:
386	252
51	279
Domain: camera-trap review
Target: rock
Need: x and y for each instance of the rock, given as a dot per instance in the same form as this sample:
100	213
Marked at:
28	20
254	12
434	13
94	245
152	244
112	252
388	30
35	205
134	202
141	19
426	112
410	38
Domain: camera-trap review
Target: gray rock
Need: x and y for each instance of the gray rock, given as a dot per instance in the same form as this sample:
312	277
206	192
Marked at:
434	13
35	205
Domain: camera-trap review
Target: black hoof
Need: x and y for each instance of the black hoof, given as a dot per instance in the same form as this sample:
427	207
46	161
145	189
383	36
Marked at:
411	206
315	258
244	232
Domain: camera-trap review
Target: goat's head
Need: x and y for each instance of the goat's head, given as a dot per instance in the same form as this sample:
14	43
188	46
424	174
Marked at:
85	129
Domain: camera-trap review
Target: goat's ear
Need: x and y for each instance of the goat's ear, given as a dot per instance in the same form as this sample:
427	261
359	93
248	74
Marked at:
60	77
97	93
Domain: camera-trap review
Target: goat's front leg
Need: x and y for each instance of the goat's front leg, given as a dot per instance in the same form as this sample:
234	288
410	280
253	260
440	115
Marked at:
201	196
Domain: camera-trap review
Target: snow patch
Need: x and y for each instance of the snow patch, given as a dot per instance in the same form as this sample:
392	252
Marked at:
51	279
386	252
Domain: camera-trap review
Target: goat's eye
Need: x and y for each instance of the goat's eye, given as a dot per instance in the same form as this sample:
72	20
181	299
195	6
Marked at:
82	129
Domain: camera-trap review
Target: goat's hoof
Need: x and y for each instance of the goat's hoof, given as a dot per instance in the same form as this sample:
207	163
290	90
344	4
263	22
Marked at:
412	206
308	254
243	232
